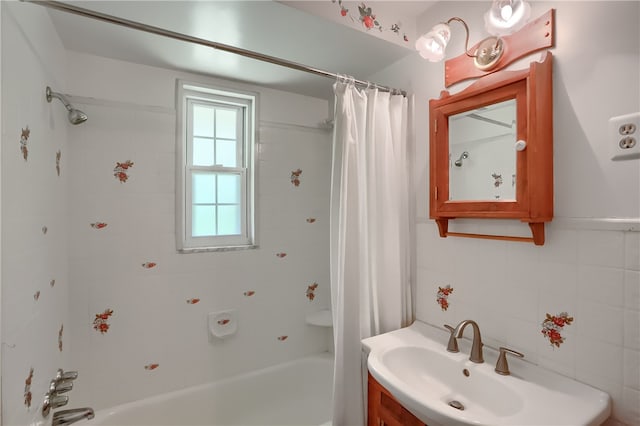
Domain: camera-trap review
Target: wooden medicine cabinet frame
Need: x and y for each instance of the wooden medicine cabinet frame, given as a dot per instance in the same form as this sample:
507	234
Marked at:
532	89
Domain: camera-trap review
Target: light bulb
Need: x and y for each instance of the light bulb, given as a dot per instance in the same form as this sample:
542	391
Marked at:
506	17
506	12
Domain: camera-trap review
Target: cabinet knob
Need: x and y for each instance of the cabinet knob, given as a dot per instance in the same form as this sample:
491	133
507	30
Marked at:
521	145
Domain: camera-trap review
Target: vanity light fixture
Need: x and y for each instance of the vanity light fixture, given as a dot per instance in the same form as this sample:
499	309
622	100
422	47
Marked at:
504	17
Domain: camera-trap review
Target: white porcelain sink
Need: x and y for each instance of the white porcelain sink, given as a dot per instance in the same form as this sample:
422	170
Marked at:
414	365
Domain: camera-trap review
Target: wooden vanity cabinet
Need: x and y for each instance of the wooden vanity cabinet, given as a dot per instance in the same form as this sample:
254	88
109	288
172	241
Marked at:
385	410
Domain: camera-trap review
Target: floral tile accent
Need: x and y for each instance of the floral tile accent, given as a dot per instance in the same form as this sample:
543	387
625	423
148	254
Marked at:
367	19
249	293
443	296
24	138
27	389
99	225
121	170
60	337
58	157
553	325
151	367
295	177
224	321
36	295
497	179
281	255
149	265
100	323
45	230
52	283
311	291
283	338
193	301
311	220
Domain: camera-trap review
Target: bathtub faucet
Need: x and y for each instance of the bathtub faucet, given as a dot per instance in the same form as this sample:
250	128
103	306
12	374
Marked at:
67	417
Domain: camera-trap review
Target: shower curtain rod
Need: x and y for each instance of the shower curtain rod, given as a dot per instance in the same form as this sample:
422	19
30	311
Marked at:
65	7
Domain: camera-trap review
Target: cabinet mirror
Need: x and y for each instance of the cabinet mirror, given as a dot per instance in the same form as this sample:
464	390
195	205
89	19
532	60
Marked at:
491	151
482	158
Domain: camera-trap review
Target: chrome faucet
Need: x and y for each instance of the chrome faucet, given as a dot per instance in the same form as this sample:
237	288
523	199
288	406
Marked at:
67	417
476	346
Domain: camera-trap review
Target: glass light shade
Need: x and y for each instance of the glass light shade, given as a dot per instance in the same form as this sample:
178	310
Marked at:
432	45
506	16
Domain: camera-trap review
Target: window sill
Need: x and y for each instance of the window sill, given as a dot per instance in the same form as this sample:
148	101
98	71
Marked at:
216	249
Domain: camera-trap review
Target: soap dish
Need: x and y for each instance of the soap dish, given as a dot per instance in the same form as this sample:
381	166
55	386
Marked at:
321	318
222	323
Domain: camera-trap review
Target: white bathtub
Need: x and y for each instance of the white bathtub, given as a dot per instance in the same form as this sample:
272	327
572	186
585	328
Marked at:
294	393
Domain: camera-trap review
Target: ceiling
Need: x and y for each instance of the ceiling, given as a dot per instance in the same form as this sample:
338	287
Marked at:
268	27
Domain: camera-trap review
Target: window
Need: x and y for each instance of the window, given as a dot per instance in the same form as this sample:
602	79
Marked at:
215	177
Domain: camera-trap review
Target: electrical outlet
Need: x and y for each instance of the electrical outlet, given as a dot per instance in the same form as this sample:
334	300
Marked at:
624	135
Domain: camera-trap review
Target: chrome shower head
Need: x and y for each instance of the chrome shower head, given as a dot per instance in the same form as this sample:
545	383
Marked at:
463	156
75	115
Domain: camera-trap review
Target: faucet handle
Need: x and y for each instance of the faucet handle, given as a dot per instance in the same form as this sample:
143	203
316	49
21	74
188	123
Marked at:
452	345
62	375
502	367
57	387
53	401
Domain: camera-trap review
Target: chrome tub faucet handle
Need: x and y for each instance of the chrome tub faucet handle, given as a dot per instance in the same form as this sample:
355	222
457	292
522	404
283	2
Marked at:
53	401
62	375
58	387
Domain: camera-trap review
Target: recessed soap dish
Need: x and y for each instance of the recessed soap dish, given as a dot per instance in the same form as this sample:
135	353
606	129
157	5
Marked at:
321	318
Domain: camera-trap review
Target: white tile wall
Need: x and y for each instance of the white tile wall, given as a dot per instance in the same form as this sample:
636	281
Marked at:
152	323
33	197
99	269
508	288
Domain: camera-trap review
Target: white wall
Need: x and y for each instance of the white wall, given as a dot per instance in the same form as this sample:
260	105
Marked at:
588	267
34	196
131	117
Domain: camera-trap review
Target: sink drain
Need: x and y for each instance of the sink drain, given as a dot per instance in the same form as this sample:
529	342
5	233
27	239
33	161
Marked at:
456	404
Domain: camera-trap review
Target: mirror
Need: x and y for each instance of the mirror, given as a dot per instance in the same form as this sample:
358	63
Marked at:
491	151
482	159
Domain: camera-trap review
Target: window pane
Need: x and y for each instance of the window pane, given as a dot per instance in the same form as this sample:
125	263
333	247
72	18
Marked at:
226	123
203	120
202	152
204	188
228	189
229	220
203	221
226	153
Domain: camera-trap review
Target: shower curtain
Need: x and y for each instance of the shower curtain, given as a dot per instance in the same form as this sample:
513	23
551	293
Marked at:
370	235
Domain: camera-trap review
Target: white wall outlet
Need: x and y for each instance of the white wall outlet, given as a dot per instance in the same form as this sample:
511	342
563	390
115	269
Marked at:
624	135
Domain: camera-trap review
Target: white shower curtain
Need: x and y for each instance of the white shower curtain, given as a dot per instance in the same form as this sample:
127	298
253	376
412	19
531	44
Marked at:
370	235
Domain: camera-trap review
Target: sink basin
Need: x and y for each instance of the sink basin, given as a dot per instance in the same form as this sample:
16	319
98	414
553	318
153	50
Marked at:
446	388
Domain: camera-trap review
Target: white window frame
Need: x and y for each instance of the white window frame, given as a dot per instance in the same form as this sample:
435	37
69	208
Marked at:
187	95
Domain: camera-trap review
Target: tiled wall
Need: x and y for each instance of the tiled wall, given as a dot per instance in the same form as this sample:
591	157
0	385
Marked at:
35	172
151	302
509	288
91	280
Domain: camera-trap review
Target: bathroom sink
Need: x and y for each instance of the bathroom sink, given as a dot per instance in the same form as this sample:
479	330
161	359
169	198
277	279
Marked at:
446	388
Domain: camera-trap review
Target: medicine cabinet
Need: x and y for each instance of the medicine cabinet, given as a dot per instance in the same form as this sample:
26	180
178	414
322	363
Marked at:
491	151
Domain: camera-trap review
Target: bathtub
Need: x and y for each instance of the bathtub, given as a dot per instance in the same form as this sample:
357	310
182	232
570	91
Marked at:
293	393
